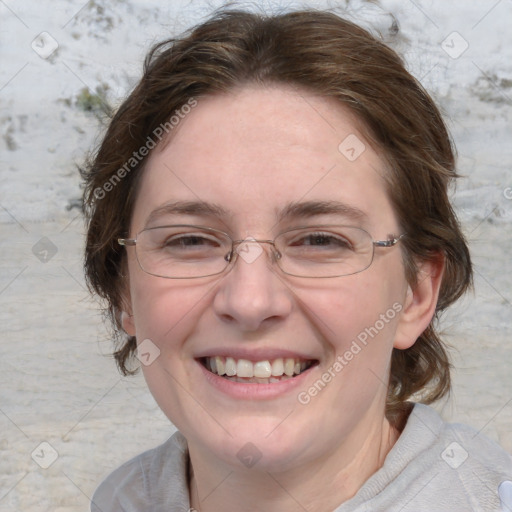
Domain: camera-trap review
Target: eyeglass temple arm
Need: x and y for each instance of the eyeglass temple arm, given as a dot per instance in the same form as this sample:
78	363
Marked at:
126	241
388	243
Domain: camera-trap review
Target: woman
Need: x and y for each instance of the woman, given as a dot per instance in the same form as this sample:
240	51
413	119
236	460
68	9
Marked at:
269	223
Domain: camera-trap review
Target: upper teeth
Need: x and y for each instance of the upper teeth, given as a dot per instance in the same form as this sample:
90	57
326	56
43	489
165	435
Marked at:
260	369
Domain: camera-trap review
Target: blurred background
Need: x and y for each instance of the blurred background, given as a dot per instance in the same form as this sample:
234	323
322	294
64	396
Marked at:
67	418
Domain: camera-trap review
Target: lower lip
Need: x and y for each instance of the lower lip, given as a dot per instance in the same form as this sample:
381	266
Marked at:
255	391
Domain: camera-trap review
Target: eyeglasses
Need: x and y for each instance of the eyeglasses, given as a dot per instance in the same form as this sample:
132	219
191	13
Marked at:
187	252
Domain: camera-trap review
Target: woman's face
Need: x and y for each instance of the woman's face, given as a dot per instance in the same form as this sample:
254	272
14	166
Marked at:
254	152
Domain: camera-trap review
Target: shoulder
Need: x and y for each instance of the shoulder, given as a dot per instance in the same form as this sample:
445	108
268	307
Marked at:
436	465
460	462
150	479
463	445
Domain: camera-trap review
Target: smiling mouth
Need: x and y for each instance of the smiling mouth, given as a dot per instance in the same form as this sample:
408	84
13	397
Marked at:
260	372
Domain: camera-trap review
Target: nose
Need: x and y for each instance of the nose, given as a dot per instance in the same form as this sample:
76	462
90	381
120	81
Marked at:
252	294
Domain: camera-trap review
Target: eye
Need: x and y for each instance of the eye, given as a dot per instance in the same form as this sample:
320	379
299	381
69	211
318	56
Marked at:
187	240
182	241
192	241
321	240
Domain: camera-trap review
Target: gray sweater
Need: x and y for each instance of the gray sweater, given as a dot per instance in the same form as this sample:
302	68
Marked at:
433	467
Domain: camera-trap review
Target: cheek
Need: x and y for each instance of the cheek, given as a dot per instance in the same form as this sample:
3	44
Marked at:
165	312
359	332
359	314
346	312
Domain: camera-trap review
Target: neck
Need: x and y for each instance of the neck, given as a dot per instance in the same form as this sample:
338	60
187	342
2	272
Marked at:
216	486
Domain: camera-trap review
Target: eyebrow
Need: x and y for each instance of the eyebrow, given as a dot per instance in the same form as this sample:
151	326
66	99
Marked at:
201	208
293	210
308	209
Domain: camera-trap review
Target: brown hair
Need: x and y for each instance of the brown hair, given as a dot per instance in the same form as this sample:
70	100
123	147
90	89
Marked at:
329	56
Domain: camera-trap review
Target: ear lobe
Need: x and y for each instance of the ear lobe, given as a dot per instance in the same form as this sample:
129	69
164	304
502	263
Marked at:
420	303
127	323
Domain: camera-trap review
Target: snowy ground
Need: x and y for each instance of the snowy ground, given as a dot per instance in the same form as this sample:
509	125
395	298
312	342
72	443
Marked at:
58	386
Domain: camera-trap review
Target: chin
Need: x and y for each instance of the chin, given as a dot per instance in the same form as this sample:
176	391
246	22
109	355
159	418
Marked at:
263	444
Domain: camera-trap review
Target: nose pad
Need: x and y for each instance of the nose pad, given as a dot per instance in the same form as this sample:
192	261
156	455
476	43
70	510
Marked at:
250	249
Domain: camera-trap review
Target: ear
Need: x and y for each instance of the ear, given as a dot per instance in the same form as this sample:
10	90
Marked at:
420	303
127	323
126	316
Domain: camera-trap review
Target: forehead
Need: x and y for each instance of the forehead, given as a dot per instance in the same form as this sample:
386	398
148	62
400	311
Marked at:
257	150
